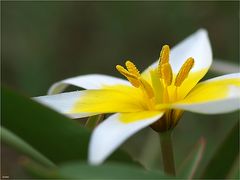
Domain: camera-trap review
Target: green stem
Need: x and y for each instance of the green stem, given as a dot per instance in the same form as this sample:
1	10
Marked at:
167	152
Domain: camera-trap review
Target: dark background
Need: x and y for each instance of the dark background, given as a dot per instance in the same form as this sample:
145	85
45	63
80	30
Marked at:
43	42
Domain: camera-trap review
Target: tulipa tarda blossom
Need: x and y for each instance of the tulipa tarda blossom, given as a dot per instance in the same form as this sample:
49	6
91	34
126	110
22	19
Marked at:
157	97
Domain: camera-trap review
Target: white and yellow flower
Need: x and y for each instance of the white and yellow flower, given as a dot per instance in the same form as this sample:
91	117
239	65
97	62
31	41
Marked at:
157	97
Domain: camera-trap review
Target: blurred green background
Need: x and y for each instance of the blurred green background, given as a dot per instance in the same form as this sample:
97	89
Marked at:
43	42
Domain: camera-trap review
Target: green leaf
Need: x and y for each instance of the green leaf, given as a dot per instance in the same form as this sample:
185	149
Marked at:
36	170
57	137
79	170
19	144
190	164
107	171
220	164
234	172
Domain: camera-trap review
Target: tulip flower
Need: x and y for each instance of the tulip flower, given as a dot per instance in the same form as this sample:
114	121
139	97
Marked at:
157	97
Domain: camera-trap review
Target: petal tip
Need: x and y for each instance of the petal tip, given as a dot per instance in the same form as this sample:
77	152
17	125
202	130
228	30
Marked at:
95	158
202	34
202	31
94	162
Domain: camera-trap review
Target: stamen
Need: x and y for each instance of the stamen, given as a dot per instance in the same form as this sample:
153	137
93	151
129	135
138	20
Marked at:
166	74
165	95
184	71
163	58
133	79
176	93
147	88
132	68
164	55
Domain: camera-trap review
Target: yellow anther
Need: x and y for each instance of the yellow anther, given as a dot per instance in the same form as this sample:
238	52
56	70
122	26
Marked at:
133	79
164	55
166	74
147	88
132	68
125	72
163	58
184	71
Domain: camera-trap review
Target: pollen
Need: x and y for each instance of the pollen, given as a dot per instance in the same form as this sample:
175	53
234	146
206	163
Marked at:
132	68
163	58
125	72
132	78
184	71
164	54
166	74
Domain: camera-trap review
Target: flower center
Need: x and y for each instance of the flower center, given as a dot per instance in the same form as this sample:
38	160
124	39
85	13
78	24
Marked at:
156	91
162	89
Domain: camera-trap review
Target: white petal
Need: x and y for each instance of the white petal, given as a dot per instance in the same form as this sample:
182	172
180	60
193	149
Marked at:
111	133
225	105
227	76
63	103
224	67
92	81
197	46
